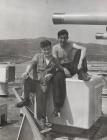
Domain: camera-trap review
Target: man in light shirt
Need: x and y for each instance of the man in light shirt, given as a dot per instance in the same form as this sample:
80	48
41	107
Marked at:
46	70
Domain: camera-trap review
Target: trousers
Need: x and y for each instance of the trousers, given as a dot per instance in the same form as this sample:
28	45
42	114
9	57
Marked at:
59	92
73	66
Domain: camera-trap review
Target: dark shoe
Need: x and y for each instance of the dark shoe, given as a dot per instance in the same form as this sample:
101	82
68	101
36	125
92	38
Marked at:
48	124
47	128
41	123
56	112
83	76
23	103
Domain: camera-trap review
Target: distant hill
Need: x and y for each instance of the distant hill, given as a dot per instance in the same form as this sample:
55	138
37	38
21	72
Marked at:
20	50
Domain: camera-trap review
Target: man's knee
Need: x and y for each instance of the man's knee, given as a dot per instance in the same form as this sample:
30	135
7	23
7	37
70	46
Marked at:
77	57
27	80
60	75
28	84
84	65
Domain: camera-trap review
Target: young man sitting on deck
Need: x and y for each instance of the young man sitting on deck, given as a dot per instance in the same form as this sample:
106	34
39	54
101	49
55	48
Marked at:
46	71
71	56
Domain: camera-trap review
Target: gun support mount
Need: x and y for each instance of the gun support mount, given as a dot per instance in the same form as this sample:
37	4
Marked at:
101	35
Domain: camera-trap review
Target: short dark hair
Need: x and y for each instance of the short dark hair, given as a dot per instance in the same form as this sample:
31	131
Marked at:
62	32
45	43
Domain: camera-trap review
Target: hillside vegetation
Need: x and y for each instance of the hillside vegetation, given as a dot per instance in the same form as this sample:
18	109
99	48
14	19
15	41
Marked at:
20	50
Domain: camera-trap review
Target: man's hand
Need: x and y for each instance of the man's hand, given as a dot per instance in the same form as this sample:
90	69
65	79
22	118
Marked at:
67	72
24	76
48	77
79	65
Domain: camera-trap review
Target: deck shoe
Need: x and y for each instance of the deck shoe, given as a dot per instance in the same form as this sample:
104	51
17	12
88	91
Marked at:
23	103
41	123
83	76
56	112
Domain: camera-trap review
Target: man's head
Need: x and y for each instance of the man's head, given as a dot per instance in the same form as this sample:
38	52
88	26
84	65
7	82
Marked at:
63	37
46	48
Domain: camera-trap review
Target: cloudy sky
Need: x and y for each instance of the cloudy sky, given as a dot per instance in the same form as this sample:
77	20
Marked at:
33	18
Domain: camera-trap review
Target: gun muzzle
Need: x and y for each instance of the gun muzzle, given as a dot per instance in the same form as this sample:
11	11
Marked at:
89	19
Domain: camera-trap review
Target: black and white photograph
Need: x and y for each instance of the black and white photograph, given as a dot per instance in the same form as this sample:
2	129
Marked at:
53	69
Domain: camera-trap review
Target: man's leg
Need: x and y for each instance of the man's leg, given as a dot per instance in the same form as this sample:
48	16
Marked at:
73	67
59	90
41	101
84	65
27	87
41	104
82	73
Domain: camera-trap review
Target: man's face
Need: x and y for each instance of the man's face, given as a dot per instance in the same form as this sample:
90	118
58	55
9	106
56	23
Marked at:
47	51
63	39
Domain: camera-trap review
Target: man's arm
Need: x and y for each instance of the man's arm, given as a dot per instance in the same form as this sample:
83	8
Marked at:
83	53
55	52
55	55
30	67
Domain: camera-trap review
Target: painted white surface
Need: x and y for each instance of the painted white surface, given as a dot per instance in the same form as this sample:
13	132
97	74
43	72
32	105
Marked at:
5	73
104	105
83	104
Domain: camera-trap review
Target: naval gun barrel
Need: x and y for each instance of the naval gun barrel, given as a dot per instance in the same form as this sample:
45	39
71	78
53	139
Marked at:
101	35
88	19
